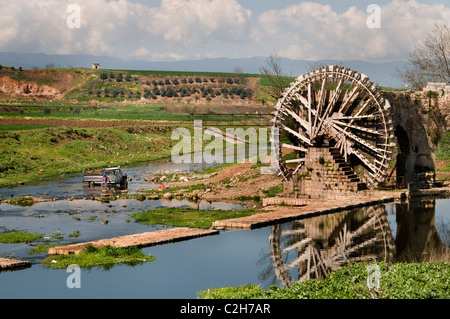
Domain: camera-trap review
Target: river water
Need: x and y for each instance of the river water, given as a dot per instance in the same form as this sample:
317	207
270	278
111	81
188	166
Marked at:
275	255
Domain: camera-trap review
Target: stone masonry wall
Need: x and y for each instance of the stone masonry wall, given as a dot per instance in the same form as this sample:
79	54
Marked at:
324	175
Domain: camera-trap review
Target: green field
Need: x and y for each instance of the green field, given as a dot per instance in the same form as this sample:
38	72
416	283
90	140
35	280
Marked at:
35	154
149	112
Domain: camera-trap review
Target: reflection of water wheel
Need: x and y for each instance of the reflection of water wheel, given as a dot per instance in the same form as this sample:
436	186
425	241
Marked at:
337	107
350	239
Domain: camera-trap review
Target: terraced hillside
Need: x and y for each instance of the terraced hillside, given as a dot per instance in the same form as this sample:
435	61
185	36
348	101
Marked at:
83	85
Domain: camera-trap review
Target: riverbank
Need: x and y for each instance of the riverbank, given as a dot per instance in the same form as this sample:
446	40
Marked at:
33	155
398	281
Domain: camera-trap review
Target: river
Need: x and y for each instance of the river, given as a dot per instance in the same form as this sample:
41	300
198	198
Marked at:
276	255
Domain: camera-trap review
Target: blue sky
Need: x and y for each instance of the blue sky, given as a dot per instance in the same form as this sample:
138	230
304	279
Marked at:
167	30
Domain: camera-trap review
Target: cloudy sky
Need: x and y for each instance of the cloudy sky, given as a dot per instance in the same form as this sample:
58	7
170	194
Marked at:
167	30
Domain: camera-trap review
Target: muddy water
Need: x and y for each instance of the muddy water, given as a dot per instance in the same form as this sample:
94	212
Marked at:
70	185
406	232
409	232
91	219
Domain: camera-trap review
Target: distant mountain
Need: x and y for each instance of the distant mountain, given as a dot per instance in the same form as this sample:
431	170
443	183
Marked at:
379	73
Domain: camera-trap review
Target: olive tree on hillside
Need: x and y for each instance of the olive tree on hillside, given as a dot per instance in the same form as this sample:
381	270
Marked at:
429	62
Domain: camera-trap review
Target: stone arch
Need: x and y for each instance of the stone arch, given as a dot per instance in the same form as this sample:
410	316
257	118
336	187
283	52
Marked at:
404	169
416	158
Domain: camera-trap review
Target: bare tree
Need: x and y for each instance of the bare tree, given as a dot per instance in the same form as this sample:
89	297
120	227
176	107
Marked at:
430	59
273	73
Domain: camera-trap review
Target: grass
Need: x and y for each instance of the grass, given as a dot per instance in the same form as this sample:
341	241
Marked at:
18	237
400	281
104	257
40	248
16	127
32	155
443	152
21	201
274	190
185	217
129	112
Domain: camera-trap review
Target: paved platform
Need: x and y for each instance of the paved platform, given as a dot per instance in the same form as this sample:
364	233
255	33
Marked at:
13	264
301	208
285	201
138	240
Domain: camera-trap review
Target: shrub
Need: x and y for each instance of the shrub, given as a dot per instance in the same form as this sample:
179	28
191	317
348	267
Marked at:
18	237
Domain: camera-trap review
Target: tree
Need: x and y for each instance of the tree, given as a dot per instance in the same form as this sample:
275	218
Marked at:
272	72
429	62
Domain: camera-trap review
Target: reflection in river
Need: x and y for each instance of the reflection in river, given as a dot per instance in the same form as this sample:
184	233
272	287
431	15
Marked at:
314	247
420	237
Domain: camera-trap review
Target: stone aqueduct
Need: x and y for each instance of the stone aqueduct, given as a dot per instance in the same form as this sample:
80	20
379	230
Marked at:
416	153
411	116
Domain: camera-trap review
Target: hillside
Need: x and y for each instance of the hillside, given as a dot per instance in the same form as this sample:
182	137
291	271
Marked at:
381	73
85	85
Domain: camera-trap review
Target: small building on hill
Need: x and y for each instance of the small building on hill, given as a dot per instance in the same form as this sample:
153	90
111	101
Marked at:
95	66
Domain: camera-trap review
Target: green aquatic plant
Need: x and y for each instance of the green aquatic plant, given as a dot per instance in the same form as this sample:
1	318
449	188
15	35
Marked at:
185	217
18	237
399	281
104	257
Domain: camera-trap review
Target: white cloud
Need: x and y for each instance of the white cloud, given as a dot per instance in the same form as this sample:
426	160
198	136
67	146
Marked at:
141	52
184	29
195	21
120	28
314	31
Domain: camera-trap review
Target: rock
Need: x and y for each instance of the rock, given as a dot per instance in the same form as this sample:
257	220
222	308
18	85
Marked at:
167	196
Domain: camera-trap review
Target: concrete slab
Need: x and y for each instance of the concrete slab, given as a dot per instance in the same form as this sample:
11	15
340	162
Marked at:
13	264
280	214
139	240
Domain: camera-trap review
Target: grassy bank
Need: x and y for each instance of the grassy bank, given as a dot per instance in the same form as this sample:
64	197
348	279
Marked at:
400	281
105	257
35	154
15	237
182	217
443	152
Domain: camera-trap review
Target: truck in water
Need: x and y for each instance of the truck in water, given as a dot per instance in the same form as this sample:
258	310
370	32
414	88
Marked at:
111	176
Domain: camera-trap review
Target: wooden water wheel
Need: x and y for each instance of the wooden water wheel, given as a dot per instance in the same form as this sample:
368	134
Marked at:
306	249
335	107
